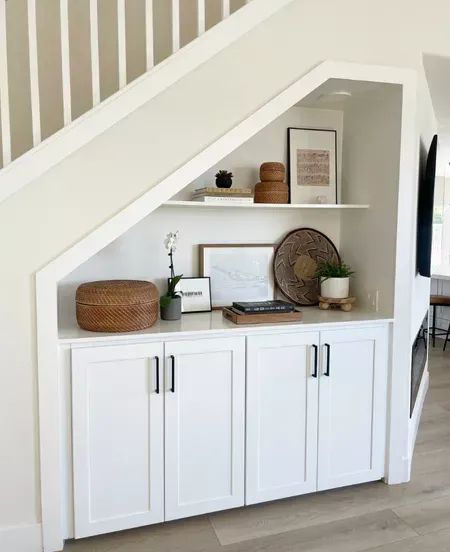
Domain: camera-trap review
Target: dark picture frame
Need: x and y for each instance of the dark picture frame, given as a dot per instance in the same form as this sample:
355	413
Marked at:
290	170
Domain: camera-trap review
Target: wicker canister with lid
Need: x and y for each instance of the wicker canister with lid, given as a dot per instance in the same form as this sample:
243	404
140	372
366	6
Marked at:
272	188
117	305
272	172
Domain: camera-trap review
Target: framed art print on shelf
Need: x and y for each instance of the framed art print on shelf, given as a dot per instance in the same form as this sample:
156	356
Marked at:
238	272
312	165
195	294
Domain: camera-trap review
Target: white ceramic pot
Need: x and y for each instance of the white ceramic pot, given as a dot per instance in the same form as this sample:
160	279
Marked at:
335	288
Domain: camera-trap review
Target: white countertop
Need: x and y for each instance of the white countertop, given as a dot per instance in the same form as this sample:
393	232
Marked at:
440	272
213	322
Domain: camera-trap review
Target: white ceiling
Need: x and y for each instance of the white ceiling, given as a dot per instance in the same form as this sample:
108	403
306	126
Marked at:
325	95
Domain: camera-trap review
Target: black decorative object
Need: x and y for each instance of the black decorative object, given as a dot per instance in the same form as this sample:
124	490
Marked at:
425	210
224	179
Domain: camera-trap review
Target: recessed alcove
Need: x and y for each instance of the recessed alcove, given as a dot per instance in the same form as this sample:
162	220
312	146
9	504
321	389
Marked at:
376	159
363	226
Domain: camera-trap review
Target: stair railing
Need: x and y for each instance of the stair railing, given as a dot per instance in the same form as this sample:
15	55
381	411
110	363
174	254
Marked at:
176	26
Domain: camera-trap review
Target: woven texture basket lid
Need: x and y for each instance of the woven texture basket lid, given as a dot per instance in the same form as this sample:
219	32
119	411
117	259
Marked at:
117	292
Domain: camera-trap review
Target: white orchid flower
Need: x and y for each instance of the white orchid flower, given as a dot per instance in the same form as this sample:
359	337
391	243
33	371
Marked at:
171	241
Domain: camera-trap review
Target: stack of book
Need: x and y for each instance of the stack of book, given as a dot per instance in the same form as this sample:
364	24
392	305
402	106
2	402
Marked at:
255	307
240	196
261	312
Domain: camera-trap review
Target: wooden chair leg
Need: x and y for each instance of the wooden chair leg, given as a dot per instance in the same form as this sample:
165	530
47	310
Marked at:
447	337
434	326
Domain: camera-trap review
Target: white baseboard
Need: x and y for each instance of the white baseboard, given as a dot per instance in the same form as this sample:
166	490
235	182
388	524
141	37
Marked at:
21	538
417	413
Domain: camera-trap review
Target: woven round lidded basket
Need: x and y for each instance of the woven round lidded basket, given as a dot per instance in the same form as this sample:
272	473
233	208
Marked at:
271	192
272	172
117	305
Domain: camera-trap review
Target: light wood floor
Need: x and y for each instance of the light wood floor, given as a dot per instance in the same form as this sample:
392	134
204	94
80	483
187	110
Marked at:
414	517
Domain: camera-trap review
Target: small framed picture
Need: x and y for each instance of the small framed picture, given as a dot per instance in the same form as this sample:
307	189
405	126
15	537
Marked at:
195	294
312	165
238	272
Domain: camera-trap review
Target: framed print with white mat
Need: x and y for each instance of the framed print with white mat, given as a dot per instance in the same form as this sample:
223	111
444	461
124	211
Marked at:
312	165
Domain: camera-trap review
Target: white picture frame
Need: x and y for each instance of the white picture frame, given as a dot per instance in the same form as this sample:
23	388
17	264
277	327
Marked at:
312	165
195	294
238	272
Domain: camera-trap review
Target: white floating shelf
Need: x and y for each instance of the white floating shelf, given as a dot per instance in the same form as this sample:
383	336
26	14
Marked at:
199	204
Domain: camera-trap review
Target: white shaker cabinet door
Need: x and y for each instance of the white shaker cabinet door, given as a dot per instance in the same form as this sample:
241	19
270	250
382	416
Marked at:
204	426
282	401
118	433
352	406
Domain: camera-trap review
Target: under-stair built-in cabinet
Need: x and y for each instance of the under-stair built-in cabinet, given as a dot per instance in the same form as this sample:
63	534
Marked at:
282	400
352	407
170	424
316	411
204	426
118	445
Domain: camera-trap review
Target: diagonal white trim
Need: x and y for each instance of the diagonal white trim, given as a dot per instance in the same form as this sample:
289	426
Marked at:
54	149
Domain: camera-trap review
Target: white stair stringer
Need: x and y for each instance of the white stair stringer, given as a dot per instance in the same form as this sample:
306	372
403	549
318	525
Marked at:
69	139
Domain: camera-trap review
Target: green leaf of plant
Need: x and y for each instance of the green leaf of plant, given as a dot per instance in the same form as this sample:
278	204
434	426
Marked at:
165	300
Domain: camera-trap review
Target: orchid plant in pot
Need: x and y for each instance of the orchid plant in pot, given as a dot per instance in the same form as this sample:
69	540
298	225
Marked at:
170	302
334	279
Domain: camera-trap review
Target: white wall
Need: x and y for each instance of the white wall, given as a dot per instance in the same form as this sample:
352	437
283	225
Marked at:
271	145
371	154
67	203
140	252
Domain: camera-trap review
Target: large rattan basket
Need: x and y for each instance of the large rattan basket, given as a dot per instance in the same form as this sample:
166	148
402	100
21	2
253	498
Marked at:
271	192
117	305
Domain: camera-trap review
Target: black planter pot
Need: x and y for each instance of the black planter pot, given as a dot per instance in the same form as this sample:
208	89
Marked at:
224	181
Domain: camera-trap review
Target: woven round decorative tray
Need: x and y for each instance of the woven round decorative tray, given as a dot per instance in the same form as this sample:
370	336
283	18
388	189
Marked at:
296	261
117	305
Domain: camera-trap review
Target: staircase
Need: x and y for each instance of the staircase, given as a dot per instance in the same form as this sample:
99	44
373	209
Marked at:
70	69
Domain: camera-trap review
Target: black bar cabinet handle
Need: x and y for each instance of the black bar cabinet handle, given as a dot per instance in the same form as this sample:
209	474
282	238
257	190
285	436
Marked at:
172	358
328	348
315	361
157	374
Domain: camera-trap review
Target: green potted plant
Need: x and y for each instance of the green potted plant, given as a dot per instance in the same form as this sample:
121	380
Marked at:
224	179
170	302
334	278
